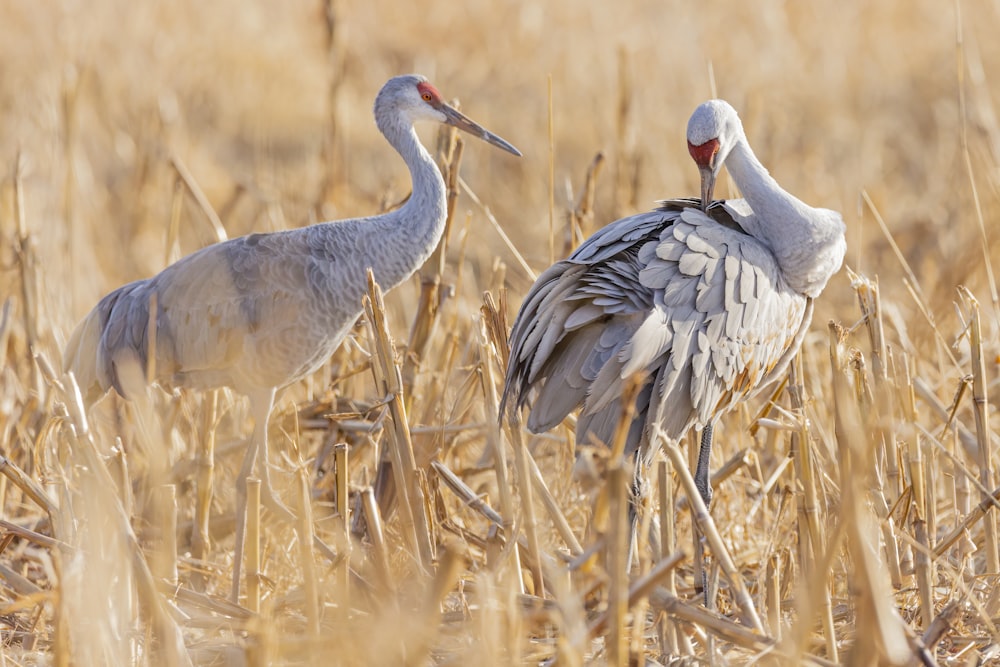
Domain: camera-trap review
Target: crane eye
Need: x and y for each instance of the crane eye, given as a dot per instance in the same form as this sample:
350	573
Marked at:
429	94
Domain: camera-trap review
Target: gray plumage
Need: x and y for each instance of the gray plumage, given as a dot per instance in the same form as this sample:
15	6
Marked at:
265	310
709	302
260	312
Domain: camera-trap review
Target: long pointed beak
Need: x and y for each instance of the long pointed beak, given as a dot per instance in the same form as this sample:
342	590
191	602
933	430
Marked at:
707	187
461	121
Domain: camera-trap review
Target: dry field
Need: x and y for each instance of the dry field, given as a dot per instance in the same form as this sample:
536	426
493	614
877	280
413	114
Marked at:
858	513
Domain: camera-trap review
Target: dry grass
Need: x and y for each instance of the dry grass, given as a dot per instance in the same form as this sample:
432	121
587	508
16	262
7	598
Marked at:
858	515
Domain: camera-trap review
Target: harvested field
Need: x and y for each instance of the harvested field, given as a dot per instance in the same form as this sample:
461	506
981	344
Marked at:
858	507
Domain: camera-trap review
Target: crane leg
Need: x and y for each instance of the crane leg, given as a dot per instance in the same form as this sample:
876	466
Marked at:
267	494
703	482
638	504
701	473
261	404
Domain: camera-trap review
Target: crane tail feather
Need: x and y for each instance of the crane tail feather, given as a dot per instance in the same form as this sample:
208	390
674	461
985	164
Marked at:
108	348
80	356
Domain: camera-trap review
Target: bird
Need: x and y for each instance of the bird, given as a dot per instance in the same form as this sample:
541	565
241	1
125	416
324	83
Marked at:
260	312
706	300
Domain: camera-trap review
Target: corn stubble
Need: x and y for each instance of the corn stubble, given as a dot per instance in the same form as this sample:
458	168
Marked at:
855	513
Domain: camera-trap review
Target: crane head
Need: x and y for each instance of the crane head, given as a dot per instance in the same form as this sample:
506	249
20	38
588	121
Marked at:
415	98
712	131
705	157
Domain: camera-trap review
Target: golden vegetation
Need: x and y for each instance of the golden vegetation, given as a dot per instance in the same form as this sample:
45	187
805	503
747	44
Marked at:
856	514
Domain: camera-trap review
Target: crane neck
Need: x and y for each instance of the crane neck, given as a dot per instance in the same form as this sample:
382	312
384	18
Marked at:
410	234
807	242
769	201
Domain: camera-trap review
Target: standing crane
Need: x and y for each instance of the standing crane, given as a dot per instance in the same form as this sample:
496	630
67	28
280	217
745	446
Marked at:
709	302
260	312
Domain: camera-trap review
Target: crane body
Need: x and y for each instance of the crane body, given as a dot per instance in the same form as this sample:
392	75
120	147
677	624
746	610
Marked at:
709	300
260	312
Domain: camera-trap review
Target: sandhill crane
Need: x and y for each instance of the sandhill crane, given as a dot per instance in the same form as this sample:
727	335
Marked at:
710	302
260	312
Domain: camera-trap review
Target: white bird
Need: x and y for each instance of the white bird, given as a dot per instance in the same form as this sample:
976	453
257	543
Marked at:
260	312
710	303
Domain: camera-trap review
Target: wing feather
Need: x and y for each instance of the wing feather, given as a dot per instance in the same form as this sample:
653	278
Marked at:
689	300
211	310
595	290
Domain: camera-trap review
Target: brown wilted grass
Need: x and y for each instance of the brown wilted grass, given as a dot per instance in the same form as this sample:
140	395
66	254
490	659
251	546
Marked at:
857	512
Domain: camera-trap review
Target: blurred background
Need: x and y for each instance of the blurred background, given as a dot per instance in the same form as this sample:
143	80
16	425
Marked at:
269	107
114	112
